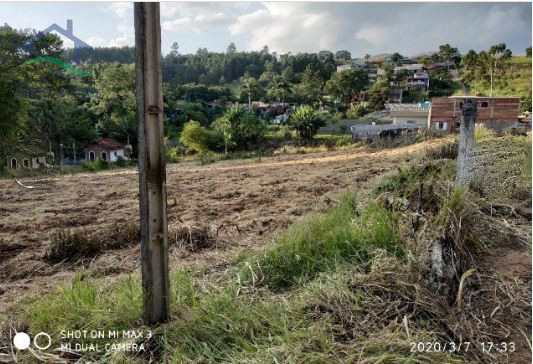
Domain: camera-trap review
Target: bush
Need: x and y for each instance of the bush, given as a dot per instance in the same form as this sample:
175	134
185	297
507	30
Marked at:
358	110
95	166
72	245
199	139
306	122
239	128
319	243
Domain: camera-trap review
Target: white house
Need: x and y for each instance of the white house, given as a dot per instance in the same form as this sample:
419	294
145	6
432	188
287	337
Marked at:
107	149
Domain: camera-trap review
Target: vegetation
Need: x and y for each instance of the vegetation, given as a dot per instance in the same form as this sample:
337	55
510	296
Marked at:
306	122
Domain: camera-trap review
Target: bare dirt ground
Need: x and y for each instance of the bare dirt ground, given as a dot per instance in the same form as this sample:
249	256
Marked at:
245	201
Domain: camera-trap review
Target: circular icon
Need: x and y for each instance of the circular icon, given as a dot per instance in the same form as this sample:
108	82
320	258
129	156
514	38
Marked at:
21	341
44	347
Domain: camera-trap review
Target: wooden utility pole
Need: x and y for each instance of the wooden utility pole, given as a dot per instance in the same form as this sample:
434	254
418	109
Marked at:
466	142
152	169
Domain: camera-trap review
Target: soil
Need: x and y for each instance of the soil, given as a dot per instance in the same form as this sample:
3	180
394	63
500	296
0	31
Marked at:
242	202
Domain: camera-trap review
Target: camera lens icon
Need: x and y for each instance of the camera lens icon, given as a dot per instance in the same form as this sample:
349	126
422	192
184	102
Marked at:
21	341
41	341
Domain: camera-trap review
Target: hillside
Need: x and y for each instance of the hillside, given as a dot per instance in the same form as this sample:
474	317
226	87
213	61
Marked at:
515	82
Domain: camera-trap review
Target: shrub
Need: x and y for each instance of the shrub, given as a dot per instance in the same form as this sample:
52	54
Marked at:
95	166
356	111
239	128
482	132
70	246
306	122
199	139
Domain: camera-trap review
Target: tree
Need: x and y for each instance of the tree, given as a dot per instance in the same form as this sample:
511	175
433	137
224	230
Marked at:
174	48
232	48
528	52
497	56
469	63
250	87
279	89
448	54
195	137
346	84
396	58
239	128
310	88
343	56
114	101
306	121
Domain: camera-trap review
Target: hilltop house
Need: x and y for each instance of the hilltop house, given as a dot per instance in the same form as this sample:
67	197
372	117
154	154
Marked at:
108	150
497	113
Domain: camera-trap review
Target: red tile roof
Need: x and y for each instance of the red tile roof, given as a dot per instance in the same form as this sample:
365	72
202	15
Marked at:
106	143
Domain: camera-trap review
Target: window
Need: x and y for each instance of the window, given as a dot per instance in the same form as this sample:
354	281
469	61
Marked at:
26	163
484	104
114	154
460	105
91	156
442	125
13	163
104	156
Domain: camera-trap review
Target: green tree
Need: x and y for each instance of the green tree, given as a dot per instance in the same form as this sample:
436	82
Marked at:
114	103
239	128
310	88
195	137
249	87
306	121
346	84
279	89
495	61
343	56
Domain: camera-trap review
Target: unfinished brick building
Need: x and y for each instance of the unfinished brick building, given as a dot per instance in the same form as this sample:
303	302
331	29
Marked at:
498	113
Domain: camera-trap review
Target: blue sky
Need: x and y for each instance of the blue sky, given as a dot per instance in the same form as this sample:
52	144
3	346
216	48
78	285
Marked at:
409	28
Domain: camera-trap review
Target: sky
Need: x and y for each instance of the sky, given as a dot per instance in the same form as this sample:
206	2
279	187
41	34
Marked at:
361	28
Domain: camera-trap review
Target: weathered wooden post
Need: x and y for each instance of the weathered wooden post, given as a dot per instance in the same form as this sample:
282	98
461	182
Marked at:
152	170
466	142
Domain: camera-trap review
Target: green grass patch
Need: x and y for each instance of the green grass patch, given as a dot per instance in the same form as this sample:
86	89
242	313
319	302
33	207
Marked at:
321	242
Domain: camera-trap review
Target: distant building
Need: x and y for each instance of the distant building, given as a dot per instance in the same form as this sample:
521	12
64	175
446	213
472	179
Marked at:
344	67
416	114
497	113
409	67
68	34
108	150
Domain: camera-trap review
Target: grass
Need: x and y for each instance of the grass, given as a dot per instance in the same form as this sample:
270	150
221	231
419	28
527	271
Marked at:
320	242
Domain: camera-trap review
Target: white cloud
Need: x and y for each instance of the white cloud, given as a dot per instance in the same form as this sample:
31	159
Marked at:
287	27
175	25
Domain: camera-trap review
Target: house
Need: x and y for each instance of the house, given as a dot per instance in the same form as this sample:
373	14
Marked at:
67	35
419	80
416	114
497	113
372	132
108	150
27	160
409	68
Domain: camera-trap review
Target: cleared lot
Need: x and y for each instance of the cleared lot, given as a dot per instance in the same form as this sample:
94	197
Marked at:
240	202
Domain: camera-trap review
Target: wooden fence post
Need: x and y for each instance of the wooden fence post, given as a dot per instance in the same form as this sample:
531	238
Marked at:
466	142
152	170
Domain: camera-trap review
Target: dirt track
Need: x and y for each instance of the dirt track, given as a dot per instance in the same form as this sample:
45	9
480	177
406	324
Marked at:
258	197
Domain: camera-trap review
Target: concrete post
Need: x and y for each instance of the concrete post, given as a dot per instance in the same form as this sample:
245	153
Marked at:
466	142
152	169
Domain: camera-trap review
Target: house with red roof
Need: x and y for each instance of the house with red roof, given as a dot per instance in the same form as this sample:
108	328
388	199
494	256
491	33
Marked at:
108	150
